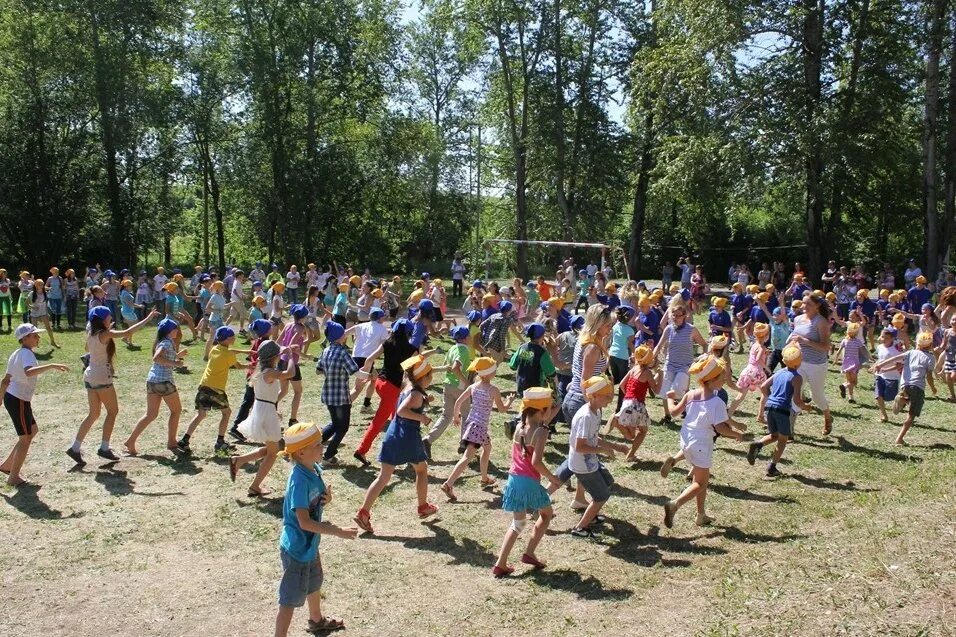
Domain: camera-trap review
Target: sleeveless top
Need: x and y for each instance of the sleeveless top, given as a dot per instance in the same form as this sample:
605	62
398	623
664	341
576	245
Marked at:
481	404
100	370
267	392
418	410
811	330
521	461
577	363
635	389
781	390
680	347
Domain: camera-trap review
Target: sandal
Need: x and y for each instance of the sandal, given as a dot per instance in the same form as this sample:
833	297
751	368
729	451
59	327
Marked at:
426	510
533	561
499	572
233	469
449	492
259	493
364	520
667	466
669	515
325	625
827	425
585	532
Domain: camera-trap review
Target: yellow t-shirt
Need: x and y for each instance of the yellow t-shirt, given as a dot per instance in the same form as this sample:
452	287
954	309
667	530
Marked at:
217	369
416	296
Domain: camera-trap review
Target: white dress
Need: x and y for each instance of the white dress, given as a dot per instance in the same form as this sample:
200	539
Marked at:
262	424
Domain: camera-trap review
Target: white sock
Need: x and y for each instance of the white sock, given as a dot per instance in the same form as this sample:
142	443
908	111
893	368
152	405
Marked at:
104	446
76	445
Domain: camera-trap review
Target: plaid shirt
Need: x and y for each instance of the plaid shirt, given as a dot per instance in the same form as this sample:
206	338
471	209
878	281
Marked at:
338	365
494	332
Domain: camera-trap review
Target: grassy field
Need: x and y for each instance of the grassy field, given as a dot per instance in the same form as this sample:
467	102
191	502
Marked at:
857	538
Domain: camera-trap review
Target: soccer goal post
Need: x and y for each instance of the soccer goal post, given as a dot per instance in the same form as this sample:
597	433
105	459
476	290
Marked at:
603	247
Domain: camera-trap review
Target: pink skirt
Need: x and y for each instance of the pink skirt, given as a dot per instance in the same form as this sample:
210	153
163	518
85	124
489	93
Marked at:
751	378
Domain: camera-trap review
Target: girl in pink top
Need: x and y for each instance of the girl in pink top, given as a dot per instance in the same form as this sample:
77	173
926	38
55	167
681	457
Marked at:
524	492
293	337
755	373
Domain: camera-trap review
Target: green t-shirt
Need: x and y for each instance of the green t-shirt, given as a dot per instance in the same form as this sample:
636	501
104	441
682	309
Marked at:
583	286
457	354
533	300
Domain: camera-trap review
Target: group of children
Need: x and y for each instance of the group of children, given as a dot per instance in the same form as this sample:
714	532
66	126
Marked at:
627	329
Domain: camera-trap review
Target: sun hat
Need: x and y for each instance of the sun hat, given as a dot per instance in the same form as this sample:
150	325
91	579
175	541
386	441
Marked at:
261	327
223	333
334	331
267	351
534	331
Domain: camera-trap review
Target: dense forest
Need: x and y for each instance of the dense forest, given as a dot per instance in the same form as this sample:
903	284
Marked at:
136	132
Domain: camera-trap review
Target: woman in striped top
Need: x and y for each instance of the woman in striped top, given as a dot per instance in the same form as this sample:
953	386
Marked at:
590	356
678	338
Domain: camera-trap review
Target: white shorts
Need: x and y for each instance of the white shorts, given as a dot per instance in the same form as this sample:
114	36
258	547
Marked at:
675	379
698	451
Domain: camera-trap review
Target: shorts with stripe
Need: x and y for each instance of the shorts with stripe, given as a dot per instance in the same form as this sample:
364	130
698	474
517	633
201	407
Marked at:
21	413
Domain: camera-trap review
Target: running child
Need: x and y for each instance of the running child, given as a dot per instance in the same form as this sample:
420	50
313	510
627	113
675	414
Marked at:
523	493
457	359
532	363
18	387
755	373
632	419
887	383
291	340
782	392
260	330
854	355
946	365
918	367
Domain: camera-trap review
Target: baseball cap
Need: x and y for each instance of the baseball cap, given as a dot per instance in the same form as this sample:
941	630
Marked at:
224	333
25	330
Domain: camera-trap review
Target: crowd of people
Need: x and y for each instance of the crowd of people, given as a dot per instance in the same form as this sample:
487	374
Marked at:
577	343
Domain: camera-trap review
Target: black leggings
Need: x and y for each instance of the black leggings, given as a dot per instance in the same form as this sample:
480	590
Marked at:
456	287
582	302
619	369
247	401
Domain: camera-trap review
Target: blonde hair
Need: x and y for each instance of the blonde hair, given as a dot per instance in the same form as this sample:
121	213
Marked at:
595	319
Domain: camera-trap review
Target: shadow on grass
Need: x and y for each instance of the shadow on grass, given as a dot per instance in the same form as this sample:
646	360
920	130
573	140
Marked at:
936	446
179	464
654	466
823	483
740	453
27	501
738	535
917	425
586	587
650	549
736	493
463	551
117	482
45	357
846	445
270	506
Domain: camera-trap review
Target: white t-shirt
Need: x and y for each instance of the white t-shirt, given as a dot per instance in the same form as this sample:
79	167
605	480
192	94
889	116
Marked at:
21	385
292	280
701	416
585	424
159	281
368	336
457	271
882	353
237	294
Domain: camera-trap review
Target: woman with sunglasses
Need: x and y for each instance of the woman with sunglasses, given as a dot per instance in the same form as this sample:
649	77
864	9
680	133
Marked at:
678	338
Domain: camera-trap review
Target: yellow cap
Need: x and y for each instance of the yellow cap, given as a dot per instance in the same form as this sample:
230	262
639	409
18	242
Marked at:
707	368
610	287
719	302
258	300
792	356
299	436
924	340
377	293
643	355
279	287
761	330
483	366
718	342
597	385
171	287
898	320
536	398
343	287
417	367
355	280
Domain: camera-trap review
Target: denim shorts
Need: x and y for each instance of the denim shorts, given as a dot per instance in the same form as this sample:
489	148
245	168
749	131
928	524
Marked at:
778	422
299	580
597	484
886	388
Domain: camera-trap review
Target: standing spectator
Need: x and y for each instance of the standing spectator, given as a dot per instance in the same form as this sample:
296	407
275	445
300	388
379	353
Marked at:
744	275
292	279
763	277
829	276
887	279
686	269
732	273
912	271
458	270
779	277
667	275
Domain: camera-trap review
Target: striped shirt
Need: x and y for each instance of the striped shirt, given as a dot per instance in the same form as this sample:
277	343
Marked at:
680	347
577	364
803	326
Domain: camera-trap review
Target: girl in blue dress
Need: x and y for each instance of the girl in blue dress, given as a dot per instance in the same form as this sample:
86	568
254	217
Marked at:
403	442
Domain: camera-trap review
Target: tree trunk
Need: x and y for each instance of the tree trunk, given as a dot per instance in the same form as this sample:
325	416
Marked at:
104	101
930	131
812	52
559	133
205	213
639	208
949	182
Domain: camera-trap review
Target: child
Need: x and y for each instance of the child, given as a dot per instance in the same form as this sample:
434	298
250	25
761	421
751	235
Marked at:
622	344
706	415
18	386
584	445
340	306
946	365
475	434
39	313
632	418
779	334
260	330
215	311
403	442
719	319
161	385
781	392
494	332
754	374
369	337
917	371
128	308
854	353
276	307
532	362
98	379
211	395
262	425
887	381
457	360
523	492
6	300
291	340
306	495
338	365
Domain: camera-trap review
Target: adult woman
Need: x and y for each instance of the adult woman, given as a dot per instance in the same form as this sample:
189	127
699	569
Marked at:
457	275
54	295
947	305
397	349
811	333
698	289
764	276
590	356
71	287
678	337
98	379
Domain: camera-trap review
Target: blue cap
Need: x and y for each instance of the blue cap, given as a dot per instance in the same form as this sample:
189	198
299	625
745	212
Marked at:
426	307
459	333
298	311
124	271
477	283
400	325
641	284
534	331
177	271
531	285
927	306
778	311
627	310
577	322
142	272
505	307
257	284
275	266
426	275
334	331
166	327
204	277
109	273
582	273
685	294
890	330
223	333
473	316
543	306
100	312
261	327
376	313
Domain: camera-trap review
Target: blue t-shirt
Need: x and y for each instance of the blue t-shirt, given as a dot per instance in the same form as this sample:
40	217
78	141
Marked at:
563	321
341	306
613	301
772	303
741	303
718	318
303	491
917	297
620	334
781	389
757	315
867	307
799	289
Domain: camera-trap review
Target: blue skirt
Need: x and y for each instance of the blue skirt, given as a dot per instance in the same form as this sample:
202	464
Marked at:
402	443
524	494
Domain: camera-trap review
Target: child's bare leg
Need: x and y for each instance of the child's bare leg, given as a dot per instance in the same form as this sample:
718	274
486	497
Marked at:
735	403
224	421
152	411
314	601
172	426
636	443
461	465
906	427
702	477
540	528
590	513
18	456
198	418
483	462
511	536
421	482
246	458
375	489
268	455
778	451
284	620
882	405
690	492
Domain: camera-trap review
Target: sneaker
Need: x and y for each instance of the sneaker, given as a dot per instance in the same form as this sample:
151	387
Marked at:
367	402
772	471
334	460
752	452
235	433
107	454
586	532
223	448
361	458
76	456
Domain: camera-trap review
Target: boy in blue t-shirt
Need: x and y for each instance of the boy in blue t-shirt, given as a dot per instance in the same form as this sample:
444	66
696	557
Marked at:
305	496
781	393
